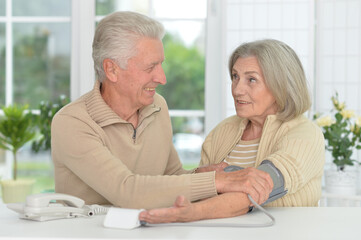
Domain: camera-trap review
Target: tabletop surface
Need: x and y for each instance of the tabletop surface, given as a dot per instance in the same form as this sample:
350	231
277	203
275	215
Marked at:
291	223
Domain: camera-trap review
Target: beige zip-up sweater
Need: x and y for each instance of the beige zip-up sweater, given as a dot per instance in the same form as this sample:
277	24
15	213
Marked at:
102	159
296	148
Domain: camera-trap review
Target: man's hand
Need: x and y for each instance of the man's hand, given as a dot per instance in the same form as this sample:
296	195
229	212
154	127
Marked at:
182	211
258	184
220	206
214	167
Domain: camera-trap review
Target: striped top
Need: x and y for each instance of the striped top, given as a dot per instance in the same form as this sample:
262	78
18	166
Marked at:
244	153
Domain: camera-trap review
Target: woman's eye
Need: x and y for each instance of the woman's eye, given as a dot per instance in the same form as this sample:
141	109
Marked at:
252	79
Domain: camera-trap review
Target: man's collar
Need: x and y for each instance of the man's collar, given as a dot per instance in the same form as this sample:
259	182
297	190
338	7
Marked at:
103	115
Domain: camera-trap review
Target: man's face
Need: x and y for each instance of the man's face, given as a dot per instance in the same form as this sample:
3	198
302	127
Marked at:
143	74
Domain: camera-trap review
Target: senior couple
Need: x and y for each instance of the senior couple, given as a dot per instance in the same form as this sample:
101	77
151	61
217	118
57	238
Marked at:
114	144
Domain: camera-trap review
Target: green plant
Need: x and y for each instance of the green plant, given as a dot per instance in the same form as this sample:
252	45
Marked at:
16	129
342	133
43	122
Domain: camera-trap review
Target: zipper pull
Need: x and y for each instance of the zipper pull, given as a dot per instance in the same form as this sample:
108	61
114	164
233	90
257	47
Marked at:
134	135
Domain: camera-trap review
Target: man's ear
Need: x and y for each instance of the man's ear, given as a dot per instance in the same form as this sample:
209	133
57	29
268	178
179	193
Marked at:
111	69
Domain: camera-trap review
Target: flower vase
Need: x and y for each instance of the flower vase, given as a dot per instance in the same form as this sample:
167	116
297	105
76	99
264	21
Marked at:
342	184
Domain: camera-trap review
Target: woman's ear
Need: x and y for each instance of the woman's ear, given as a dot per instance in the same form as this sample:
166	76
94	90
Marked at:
111	69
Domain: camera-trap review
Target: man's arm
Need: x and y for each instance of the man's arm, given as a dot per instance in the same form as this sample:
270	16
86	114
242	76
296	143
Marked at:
80	165
221	206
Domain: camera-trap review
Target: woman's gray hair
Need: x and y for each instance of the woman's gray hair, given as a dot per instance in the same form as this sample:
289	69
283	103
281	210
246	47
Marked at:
117	35
283	73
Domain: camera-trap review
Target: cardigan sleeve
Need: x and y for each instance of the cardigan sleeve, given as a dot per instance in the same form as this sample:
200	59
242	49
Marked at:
206	150
299	155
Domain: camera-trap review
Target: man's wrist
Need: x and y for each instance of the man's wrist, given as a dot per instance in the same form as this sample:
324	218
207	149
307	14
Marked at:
218	181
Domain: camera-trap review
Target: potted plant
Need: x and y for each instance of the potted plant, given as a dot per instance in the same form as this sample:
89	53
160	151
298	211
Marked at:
16	129
343	135
43	122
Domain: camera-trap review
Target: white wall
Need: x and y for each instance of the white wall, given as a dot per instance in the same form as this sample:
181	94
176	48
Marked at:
338	56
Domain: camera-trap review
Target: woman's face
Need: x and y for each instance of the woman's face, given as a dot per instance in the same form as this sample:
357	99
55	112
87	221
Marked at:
252	98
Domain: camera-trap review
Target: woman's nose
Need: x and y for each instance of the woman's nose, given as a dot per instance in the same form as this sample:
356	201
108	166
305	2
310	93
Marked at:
238	88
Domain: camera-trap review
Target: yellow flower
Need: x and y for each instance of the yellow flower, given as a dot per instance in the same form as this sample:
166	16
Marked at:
355	129
347	114
341	106
358	121
325	121
334	101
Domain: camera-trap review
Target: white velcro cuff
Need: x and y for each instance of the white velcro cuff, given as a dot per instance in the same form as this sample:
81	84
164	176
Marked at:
123	218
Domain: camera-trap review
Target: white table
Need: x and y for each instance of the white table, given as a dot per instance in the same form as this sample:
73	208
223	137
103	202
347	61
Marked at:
291	223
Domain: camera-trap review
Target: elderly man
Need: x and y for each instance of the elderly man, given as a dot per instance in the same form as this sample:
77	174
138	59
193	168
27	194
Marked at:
114	144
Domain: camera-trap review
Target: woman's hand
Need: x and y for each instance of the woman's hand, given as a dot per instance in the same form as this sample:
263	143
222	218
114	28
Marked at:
182	211
214	167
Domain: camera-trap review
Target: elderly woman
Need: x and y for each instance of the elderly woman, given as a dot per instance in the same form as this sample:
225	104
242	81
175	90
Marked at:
270	96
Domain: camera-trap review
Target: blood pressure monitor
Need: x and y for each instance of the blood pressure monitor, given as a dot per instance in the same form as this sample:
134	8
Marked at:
277	178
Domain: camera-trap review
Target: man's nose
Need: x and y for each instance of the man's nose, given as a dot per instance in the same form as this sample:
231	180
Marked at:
160	76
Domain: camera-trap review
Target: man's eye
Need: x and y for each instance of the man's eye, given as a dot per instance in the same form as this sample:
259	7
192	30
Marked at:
234	76
150	68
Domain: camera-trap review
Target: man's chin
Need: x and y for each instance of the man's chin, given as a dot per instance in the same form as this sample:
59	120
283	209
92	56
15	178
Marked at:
149	101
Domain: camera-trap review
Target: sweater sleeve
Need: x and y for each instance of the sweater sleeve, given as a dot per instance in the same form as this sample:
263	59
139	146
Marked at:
86	168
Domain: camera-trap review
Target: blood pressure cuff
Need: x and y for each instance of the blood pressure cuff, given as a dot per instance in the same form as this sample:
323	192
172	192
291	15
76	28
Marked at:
277	178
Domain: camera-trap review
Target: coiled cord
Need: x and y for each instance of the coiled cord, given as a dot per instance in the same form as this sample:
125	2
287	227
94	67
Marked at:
95	209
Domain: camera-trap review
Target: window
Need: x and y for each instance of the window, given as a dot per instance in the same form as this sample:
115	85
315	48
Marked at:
38	60
2	72
2	52
34	67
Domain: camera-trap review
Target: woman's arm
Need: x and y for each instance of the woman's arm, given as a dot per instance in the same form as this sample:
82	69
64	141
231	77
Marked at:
221	206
